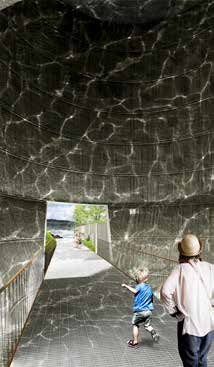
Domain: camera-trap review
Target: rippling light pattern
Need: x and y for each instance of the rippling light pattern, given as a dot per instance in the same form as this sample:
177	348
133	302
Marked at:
120	113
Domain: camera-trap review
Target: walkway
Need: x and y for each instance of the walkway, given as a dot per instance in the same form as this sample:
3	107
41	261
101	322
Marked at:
81	318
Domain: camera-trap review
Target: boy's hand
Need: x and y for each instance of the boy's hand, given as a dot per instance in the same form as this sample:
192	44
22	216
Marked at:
123	285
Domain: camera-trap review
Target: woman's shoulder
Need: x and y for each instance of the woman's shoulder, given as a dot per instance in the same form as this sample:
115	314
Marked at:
206	265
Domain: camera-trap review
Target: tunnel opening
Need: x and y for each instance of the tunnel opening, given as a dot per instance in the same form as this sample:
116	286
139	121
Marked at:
77	224
80	232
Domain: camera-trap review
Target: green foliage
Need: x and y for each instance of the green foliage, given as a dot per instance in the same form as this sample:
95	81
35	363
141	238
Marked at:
89	214
80	215
50	242
89	244
97	214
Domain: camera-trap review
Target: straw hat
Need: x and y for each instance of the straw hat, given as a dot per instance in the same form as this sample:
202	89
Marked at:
189	246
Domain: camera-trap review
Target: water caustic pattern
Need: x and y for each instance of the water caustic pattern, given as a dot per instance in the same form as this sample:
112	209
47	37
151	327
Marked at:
101	105
133	11
109	112
115	111
83	318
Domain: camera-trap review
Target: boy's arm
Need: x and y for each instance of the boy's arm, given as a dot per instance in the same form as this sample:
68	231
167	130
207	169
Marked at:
131	289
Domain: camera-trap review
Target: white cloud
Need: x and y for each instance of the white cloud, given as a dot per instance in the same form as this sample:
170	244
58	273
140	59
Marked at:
60	211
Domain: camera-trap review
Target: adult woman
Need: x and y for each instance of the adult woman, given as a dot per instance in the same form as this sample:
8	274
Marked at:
188	294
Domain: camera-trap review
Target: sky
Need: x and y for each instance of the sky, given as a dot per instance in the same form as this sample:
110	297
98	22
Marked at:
60	211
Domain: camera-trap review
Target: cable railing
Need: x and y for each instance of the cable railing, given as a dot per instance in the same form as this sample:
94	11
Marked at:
16	299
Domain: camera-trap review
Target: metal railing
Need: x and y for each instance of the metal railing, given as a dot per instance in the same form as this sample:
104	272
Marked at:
16	299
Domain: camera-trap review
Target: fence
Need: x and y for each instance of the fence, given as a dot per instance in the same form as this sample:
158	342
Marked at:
100	235
16	298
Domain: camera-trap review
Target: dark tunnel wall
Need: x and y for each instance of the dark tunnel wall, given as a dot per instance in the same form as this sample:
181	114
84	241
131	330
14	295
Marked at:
22	235
100	112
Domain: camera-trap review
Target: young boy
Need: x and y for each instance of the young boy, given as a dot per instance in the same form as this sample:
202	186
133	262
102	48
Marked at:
142	306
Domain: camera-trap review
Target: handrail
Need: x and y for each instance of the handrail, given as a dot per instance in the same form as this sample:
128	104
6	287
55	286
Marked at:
20	271
160	257
139	251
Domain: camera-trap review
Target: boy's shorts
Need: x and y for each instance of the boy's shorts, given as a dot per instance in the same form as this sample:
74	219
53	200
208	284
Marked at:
141	317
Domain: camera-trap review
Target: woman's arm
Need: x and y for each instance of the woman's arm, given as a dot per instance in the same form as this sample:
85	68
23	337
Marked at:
167	292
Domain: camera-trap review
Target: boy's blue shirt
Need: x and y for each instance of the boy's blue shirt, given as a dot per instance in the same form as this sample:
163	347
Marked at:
143	299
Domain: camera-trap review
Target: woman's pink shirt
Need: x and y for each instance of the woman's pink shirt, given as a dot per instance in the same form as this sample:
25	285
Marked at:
185	289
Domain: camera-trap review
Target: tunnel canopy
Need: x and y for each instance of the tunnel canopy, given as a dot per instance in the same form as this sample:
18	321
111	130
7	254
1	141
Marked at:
126	11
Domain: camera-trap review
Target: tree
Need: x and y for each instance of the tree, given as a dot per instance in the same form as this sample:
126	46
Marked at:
80	214
97	214
89	214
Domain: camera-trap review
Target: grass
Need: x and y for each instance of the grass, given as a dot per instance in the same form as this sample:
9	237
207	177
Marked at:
50	242
89	244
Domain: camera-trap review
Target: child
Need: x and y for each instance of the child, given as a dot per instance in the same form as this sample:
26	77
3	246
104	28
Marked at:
77	240
142	306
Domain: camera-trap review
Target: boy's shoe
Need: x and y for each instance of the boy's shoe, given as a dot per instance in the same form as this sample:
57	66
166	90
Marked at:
132	344
155	336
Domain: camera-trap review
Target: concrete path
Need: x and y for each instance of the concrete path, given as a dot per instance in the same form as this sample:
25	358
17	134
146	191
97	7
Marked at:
82	318
74	262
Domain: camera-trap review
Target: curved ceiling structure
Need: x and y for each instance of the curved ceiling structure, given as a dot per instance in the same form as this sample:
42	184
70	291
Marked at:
6	3
106	105
102	103
129	11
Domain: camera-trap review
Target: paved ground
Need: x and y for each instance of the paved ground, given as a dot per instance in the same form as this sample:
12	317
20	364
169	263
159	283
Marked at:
82	318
